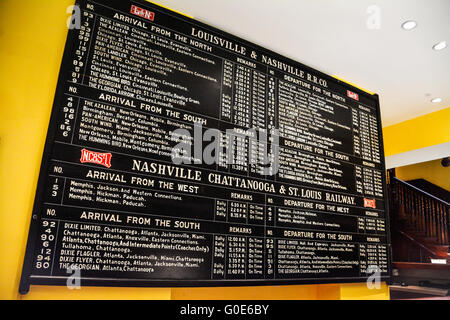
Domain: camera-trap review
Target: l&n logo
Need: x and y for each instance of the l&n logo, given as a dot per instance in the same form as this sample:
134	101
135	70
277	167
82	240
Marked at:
352	95
146	14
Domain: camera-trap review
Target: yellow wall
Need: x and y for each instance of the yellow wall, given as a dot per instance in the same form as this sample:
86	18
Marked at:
349	291
32	38
421	132
425	131
432	171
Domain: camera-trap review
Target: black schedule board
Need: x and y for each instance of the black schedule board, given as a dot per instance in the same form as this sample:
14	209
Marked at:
180	155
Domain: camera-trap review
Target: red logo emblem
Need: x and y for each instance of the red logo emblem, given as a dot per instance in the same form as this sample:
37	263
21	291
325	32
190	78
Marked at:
143	13
369	203
352	95
103	159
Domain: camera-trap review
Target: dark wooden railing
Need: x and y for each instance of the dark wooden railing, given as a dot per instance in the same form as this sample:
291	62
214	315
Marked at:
421	211
408	249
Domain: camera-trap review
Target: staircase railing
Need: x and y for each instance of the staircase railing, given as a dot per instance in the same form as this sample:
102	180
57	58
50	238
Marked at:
411	250
423	212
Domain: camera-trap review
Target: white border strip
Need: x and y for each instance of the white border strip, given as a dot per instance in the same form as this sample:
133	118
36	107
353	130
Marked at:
438	151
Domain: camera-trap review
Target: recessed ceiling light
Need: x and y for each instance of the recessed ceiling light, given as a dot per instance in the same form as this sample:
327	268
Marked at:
440	45
409	25
436	100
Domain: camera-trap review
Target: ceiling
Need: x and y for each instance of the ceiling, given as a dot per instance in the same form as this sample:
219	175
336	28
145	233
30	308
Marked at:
332	36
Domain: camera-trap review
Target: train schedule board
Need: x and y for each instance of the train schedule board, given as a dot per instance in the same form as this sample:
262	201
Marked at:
180	155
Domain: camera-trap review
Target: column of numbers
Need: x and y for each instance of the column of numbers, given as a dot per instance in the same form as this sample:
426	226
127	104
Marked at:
44	257
81	50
